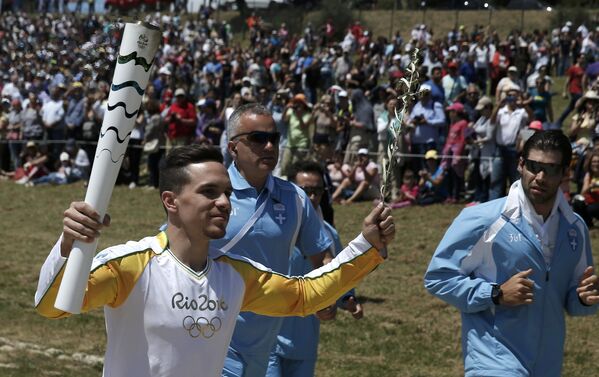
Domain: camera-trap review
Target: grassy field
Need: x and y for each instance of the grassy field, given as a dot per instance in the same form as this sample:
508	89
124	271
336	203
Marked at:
405	332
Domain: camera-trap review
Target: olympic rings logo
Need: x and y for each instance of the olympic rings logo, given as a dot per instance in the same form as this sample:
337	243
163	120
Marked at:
201	326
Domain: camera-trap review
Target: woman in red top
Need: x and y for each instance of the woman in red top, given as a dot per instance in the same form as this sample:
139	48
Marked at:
572	87
454	149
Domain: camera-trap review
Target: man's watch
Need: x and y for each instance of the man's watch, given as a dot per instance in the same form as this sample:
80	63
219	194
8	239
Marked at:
496	294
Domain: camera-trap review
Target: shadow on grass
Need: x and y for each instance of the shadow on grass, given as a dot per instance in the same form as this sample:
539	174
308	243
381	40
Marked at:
373	300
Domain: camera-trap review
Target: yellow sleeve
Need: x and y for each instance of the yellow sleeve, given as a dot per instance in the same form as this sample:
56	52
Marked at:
274	294
113	276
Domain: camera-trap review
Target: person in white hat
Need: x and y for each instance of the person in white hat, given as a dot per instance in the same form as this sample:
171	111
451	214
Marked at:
586	119
427	119
512	78
362	179
181	120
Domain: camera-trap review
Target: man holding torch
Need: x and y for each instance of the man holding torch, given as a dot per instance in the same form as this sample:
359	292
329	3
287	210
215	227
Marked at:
171	301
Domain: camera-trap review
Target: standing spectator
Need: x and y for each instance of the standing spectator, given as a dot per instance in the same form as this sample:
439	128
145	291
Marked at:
181	120
572	88
298	117
134	148
467	69
482	150
481	63
325	126
14	133
344	117
427	120
540	102
210	126
509	116
53	117
499	65
436	85
453	151
75	111
586	120
33	128
512	79
362	127
470	101
154	141
454	85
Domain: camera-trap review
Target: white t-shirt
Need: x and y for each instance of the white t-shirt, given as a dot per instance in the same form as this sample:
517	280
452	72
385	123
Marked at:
509	124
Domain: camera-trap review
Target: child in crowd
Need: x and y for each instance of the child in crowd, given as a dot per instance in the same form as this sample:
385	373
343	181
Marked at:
408	192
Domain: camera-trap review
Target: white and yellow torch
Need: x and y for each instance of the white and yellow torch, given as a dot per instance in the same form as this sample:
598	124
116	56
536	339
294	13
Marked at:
132	72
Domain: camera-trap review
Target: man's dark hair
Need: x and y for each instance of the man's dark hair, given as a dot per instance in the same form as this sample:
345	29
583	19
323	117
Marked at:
307	167
314	167
553	140
173	173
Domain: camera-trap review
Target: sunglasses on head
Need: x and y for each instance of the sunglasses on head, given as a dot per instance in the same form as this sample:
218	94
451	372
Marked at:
260	137
313	190
535	167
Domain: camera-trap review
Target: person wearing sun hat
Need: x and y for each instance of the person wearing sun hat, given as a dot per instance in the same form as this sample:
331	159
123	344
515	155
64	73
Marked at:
297	115
586	119
181	119
428	119
482	150
362	179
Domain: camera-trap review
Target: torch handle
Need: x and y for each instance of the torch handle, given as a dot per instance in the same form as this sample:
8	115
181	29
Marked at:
74	281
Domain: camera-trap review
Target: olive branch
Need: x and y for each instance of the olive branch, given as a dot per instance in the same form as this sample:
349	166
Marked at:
407	90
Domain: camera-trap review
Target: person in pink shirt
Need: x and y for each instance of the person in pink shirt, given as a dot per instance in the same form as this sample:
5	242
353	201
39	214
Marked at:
408	192
454	149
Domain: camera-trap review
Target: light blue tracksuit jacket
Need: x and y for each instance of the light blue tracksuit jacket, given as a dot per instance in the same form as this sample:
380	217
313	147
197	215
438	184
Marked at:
489	243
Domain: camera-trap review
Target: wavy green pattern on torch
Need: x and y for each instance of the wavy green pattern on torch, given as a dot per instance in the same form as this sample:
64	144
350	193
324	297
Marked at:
124	59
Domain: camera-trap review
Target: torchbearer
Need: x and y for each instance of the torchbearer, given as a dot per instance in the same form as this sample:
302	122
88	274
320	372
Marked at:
171	301
138	47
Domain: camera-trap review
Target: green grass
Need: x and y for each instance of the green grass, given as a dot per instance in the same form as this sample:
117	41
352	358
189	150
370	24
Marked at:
405	332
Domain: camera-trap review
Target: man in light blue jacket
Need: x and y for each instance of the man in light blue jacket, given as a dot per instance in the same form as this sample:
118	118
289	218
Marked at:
512	266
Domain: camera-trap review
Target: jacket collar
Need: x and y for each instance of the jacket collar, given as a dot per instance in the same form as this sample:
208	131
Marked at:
513	210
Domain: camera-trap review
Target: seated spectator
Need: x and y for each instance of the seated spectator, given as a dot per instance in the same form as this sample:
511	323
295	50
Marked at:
361	180
432	180
79	158
587	203
66	173
408	192
34	162
335	169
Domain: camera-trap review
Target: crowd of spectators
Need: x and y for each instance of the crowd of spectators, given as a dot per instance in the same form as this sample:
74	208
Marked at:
481	95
